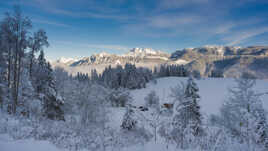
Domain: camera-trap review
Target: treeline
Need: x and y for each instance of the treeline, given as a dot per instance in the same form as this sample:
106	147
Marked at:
171	70
131	77
26	80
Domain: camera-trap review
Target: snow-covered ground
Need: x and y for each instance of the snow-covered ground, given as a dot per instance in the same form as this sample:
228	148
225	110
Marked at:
8	144
213	92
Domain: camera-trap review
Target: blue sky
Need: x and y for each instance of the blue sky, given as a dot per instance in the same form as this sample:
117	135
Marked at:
82	27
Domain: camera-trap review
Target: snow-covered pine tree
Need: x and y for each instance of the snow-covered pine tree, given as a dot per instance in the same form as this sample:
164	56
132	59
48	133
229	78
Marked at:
187	120
53	101
171	70
94	75
40	73
45	85
130	78
191	94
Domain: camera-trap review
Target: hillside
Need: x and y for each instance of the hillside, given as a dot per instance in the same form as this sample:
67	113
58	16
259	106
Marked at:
210	104
227	61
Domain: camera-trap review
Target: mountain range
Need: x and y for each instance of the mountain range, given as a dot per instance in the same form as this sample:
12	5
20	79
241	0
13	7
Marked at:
227	60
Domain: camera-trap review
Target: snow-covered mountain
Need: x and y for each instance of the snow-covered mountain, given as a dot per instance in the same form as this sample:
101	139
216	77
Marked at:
226	60
66	61
145	57
135	55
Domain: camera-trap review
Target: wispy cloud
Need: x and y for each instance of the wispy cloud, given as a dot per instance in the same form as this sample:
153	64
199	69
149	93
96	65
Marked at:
95	46
94	9
224	28
173	4
111	47
49	22
241	36
170	21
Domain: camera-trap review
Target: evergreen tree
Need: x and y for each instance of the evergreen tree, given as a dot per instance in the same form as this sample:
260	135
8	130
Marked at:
191	94
187	118
94	75
171	70
128	77
45	84
41	73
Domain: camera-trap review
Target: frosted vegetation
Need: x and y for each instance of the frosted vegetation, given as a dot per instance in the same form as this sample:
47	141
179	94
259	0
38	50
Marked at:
124	108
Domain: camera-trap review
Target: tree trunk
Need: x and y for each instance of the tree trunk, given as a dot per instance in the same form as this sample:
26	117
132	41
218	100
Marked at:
14	89
9	67
155	133
31	63
15	96
18	78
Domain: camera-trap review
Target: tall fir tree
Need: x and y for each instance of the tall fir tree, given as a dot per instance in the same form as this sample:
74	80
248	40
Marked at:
193	108
45	84
187	120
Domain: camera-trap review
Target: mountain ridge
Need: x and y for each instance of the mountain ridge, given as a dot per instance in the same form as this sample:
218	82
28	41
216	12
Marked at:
228	61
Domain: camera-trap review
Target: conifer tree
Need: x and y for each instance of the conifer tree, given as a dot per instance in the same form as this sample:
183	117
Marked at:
45	84
187	120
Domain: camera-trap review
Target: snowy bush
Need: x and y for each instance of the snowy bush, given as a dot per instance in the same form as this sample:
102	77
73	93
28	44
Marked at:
152	100
129	122
119	97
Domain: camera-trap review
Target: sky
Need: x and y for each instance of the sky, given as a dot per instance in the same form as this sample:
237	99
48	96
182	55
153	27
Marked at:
77	28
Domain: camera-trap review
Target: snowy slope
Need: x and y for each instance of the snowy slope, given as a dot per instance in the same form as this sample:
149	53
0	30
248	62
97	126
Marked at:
213	91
